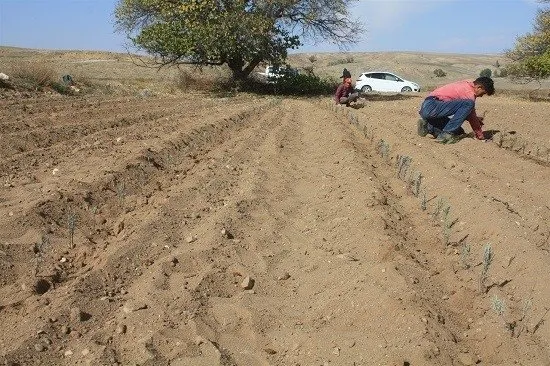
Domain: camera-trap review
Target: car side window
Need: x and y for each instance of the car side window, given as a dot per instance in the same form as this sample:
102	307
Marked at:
391	77
377	76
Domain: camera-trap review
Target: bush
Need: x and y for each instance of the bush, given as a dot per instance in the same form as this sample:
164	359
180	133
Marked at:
289	84
302	84
347	60
486	73
439	73
35	74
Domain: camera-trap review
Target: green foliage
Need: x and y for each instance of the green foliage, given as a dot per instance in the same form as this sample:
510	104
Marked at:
532	67
486	72
238	33
498	305
439	73
531	53
295	84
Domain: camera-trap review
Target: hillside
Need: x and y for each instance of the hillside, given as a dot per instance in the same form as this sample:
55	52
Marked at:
119	71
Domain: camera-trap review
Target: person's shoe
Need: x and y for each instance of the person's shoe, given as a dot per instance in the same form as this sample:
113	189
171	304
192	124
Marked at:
459	132
447	138
422	127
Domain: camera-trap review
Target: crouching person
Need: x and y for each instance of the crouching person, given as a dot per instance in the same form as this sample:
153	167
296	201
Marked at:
345	94
446	108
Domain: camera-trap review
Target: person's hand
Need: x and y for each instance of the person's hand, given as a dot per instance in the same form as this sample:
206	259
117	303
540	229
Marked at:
479	135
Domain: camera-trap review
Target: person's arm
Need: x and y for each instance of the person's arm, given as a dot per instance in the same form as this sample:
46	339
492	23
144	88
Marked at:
476	123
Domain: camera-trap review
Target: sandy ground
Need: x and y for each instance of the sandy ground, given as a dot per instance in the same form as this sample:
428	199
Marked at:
170	230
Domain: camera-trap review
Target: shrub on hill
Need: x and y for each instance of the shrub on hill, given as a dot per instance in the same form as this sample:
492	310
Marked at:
486	73
439	73
37	76
34	75
341	61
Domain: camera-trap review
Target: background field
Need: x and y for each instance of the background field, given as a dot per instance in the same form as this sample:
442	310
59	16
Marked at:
118	72
146	222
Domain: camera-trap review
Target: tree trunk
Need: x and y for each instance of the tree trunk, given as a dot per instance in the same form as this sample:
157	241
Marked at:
240	71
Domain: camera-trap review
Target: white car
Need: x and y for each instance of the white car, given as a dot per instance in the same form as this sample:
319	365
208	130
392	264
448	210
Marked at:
382	81
272	72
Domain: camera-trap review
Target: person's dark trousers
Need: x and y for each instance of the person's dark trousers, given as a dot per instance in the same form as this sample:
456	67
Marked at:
437	112
350	98
436	125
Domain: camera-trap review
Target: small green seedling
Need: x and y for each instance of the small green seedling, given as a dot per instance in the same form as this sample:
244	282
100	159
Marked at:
71	224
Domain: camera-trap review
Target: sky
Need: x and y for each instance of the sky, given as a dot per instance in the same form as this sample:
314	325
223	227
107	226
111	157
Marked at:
448	26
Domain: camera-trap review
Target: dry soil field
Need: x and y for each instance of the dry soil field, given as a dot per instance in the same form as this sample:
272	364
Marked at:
167	229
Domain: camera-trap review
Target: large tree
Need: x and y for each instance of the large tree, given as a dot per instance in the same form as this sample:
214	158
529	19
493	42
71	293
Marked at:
238	33
531	53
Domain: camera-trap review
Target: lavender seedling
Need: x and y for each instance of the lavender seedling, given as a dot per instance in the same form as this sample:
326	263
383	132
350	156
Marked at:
488	257
498	305
523	147
447	224
500	142
383	148
403	165
446	210
71	224
424	201
513	142
527	306
417	182
121	191
465	255
438	208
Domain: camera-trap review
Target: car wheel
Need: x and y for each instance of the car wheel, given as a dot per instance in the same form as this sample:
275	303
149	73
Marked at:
366	89
406	89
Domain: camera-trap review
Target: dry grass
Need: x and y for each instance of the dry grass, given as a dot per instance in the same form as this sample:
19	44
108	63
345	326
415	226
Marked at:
35	73
187	80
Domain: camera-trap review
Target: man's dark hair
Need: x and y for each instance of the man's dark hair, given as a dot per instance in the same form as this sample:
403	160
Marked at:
345	74
487	84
